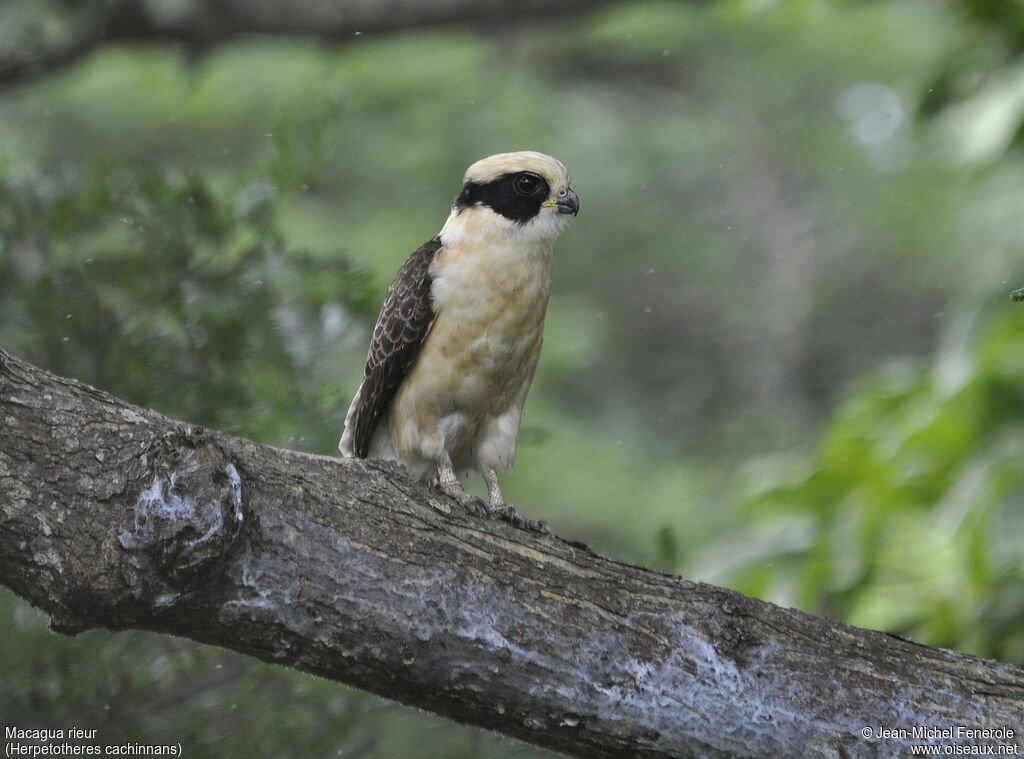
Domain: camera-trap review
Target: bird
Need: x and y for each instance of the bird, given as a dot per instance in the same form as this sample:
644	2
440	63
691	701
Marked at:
459	334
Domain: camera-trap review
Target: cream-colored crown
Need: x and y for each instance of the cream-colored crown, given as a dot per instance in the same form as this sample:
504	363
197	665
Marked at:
551	169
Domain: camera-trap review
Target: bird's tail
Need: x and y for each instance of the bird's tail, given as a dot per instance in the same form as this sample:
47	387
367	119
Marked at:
345	445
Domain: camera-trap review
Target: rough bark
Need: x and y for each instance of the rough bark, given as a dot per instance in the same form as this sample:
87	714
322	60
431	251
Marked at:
114	516
199	25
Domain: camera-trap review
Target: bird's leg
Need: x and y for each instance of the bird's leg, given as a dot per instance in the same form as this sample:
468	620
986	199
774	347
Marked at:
497	500
448	483
498	508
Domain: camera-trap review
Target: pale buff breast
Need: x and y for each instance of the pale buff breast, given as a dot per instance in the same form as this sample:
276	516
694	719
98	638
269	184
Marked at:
478	359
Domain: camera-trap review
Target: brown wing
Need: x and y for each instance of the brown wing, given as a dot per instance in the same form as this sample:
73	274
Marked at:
404	320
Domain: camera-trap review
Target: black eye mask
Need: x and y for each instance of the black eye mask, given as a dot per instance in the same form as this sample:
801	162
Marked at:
517	196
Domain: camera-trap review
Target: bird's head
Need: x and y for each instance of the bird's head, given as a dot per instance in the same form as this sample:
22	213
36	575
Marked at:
523	194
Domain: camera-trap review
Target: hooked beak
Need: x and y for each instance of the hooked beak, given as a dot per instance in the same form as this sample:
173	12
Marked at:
568	203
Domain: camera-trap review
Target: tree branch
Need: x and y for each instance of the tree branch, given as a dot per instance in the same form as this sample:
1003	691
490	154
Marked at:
210	22
113	516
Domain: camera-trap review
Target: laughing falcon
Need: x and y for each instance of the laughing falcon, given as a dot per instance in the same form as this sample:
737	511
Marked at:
459	334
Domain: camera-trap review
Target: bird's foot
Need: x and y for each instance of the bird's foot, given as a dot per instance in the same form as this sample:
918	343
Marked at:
475	506
508	513
501	510
447	482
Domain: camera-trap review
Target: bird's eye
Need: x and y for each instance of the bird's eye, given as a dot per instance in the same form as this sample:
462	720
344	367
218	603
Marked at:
527	184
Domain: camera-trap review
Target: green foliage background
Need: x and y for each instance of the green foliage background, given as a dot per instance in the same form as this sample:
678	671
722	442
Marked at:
780	355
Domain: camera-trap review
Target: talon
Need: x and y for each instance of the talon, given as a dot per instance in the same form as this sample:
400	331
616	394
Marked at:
504	511
477	508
